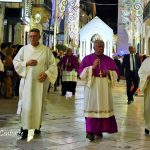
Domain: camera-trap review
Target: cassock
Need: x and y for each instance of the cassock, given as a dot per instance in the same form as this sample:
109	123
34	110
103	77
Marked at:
69	66
144	85
98	105
33	92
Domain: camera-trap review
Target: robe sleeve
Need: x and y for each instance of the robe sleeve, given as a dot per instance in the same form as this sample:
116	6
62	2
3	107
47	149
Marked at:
52	70
20	64
86	75
82	65
113	77
75	63
143	74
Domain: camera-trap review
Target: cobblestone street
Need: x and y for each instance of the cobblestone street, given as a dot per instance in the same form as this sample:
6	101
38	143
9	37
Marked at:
63	126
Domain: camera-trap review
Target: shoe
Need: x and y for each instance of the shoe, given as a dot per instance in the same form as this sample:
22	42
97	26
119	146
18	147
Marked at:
37	131
146	131
100	135
23	134
90	136
136	94
129	102
132	100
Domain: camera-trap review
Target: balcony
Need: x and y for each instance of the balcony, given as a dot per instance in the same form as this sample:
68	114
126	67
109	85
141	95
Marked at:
146	13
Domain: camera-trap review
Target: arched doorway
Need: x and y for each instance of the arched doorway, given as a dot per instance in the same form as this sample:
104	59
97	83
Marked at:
93	38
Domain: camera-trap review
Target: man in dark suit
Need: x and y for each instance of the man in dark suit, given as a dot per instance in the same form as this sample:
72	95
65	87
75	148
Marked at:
130	67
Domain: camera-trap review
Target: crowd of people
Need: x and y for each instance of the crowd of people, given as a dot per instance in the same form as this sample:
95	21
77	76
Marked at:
9	79
29	72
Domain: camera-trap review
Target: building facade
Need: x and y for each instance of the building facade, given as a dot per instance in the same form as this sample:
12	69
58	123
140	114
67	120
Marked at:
59	20
130	26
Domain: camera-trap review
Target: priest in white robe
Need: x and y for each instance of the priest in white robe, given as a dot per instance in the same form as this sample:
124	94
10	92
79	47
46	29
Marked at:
144	74
36	65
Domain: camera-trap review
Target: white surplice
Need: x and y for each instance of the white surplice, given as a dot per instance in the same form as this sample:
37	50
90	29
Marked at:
144	72
33	92
98	94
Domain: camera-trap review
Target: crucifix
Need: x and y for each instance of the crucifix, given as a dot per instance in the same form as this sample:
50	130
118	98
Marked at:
100	72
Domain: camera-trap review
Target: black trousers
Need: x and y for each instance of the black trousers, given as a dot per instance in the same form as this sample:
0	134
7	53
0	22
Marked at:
132	80
68	86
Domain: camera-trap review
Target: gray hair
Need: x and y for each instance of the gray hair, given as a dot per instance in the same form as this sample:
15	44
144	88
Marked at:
99	42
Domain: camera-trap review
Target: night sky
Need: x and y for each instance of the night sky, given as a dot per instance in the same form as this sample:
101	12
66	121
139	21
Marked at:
108	13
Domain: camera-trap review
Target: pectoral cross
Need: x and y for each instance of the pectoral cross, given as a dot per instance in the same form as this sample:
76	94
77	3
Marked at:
100	72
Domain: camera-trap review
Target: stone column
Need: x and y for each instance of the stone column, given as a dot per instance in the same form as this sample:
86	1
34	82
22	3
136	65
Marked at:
2	9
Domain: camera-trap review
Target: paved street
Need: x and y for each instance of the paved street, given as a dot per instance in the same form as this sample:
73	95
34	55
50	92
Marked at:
63	126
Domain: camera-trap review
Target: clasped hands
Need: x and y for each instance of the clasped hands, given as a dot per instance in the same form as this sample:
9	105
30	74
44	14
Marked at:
42	76
31	62
96	63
